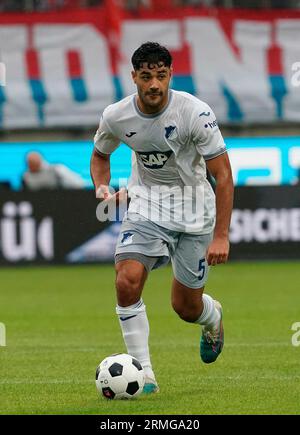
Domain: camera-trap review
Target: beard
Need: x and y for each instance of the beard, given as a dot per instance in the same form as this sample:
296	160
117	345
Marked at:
152	99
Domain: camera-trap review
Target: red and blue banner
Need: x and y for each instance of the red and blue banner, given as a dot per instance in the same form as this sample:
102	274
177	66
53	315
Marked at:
64	68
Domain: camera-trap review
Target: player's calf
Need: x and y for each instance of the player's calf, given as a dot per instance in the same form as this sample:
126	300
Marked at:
186	302
188	314
131	311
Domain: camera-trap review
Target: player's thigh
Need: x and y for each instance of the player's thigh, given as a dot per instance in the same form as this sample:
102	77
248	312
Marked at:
141	247
144	241
189	263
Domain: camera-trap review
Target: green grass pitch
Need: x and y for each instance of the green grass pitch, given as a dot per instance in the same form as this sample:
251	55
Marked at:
61	322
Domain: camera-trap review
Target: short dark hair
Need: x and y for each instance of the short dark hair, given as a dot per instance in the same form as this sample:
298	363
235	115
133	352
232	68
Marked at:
151	53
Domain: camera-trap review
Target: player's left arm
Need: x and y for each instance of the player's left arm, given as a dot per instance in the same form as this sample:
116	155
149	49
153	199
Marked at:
220	169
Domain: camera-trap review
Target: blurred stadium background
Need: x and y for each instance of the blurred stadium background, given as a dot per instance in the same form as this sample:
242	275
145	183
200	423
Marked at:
62	62
65	61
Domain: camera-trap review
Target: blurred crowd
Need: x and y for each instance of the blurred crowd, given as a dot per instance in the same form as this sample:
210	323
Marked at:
44	5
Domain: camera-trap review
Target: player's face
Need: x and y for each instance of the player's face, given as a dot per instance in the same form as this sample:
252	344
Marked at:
152	83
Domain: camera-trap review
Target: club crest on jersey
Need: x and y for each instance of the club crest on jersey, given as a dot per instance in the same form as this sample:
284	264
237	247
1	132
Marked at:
127	238
155	159
171	132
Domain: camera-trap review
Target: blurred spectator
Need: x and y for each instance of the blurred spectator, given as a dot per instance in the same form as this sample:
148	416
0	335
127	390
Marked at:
259	4
42	175
135	5
187	2
45	5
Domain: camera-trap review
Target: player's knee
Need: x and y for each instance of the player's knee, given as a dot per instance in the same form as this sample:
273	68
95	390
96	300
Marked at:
128	287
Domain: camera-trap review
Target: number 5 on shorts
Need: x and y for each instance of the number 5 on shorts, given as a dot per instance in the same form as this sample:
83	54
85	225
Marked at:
201	269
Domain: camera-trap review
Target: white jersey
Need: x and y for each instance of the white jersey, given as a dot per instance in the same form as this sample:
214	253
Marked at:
168	181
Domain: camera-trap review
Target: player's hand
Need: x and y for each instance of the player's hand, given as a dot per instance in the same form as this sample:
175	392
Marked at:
103	193
217	251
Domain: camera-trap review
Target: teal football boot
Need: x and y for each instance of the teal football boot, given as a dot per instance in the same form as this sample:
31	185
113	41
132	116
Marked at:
212	340
150	386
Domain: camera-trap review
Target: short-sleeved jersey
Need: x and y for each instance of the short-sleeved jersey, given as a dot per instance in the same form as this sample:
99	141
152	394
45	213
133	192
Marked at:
168	182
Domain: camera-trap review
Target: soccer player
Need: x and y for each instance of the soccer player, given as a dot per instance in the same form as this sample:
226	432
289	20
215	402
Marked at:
175	139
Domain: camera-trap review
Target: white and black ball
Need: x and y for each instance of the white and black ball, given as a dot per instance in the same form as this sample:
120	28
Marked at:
120	376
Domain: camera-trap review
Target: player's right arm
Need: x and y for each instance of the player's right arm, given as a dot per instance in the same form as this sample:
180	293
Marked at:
100	173
105	143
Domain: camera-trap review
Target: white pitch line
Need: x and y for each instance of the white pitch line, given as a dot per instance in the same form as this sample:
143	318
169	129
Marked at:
50	349
262	344
215	378
242	344
96	349
53	381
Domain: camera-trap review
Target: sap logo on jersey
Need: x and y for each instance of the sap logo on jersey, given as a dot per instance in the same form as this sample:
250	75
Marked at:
155	159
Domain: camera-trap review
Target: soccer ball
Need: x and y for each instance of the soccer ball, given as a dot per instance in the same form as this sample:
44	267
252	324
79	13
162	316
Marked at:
120	376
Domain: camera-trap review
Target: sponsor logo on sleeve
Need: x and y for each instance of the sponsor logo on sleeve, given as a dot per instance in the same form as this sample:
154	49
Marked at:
212	124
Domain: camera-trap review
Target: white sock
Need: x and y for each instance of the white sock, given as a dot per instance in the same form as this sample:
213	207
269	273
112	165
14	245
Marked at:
210	315
135	329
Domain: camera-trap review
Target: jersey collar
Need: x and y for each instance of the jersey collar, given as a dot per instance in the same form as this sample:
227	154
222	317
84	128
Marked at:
154	115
